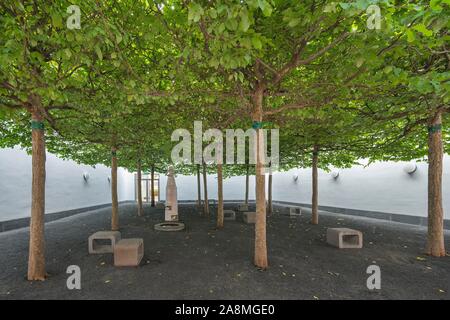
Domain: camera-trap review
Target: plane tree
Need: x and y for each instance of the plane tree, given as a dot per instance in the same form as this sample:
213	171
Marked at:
43	62
409	112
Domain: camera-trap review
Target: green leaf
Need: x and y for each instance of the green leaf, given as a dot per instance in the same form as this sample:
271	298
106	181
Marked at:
387	69
213	62
195	12
221	28
345	6
423	29
99	53
265	7
435	5
231	24
360	61
410	35
118	38
245	23
257	43
212	13
268	11
294	22
362	4
57	20
68	53
331	7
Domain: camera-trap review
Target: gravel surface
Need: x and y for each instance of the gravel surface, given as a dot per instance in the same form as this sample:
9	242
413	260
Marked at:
203	263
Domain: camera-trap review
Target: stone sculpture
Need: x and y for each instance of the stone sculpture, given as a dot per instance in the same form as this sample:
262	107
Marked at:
171	210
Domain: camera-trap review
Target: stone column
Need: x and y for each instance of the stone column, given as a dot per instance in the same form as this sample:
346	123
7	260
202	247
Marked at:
171	212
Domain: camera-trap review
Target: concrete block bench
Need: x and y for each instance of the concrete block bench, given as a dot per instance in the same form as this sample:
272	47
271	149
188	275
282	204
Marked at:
295	212
97	242
344	238
128	252
229	215
243	207
249	217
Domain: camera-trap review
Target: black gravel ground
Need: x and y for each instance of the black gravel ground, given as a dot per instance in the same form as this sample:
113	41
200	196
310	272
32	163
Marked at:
203	263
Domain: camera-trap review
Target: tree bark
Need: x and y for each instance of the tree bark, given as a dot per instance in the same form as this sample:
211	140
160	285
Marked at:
36	258
199	191
152	187
139	189
435	239
270	209
114	198
205	191
220	196
260	224
246	184
315	189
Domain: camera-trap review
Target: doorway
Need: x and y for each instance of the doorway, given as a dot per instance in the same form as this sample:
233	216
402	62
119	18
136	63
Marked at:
146	185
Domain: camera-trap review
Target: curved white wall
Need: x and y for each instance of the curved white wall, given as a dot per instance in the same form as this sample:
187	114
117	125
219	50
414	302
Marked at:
382	186
65	186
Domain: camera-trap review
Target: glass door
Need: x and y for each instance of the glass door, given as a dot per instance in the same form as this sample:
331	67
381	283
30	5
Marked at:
146	183
144	186
155	187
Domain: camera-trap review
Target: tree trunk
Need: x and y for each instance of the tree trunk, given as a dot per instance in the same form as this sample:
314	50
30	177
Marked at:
205	187
152	187
435	239
36	258
315	189
199	191
139	189
246	184
220	196
114	198
270	209
260	224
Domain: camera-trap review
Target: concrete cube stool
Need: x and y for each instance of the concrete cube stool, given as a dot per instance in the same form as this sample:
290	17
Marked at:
96	248
295	211
128	252
249	217
243	207
229	215
345	238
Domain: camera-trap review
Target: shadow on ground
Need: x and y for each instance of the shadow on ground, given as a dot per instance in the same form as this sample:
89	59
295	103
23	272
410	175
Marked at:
203	263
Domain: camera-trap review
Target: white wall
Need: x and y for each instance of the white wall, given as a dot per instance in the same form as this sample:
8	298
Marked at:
65	186
382	186
234	188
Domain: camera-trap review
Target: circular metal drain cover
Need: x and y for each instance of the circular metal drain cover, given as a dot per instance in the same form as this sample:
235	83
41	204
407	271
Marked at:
169	226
